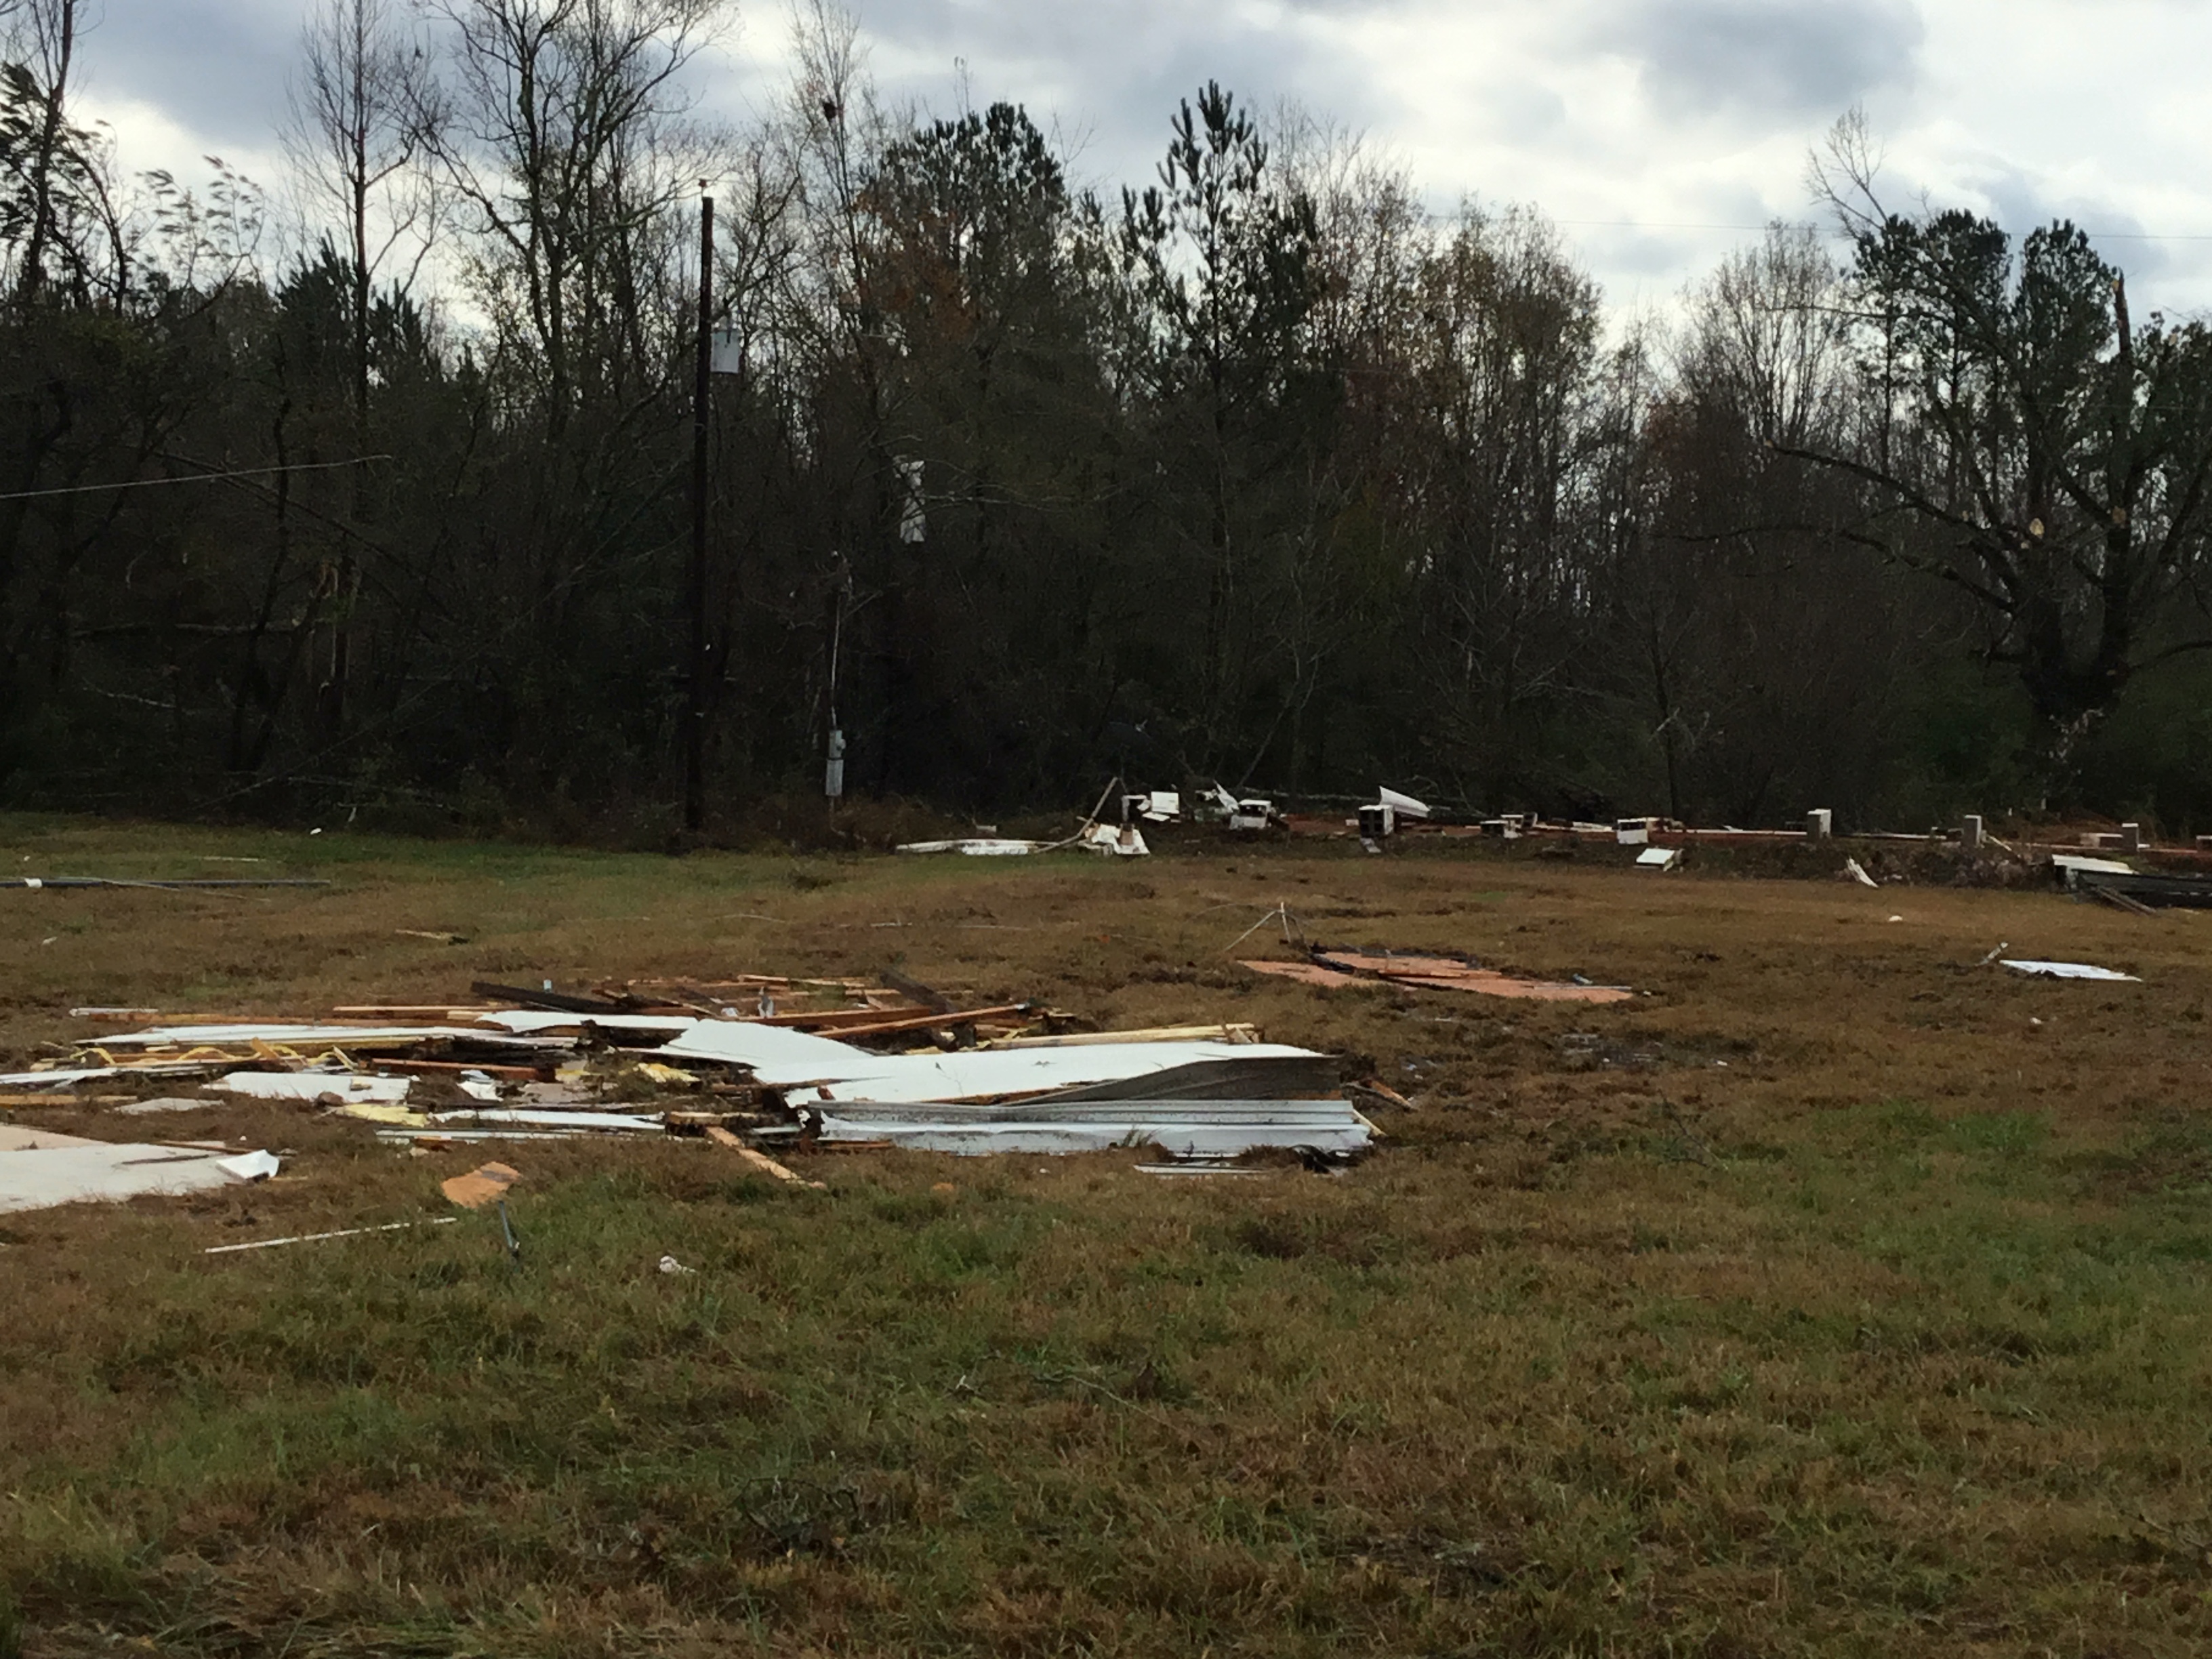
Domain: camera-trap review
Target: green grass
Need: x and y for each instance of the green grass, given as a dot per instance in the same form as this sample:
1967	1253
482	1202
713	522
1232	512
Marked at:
1074	1411
1871	1341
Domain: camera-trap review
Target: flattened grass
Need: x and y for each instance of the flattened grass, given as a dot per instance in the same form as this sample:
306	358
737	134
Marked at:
1888	1334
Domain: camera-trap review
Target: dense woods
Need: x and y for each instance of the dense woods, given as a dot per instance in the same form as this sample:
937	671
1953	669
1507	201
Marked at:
1255	469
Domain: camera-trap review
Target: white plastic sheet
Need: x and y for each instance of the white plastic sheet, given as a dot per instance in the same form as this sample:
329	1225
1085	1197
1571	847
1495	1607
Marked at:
2069	970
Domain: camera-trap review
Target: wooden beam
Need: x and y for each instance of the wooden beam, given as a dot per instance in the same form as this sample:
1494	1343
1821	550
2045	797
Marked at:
761	1161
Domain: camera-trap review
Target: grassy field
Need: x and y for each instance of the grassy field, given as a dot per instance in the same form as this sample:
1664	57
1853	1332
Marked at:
1838	1296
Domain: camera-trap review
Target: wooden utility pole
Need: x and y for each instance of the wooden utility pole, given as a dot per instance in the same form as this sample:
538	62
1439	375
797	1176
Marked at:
694	724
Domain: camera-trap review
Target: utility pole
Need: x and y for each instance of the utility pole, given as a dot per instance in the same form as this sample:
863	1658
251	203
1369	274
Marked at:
694	724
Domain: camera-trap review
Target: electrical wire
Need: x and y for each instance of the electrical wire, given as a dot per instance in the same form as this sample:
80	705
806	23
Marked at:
195	477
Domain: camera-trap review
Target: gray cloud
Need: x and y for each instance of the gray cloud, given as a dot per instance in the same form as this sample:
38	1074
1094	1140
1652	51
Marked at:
2021	204
217	67
1767	57
1118	71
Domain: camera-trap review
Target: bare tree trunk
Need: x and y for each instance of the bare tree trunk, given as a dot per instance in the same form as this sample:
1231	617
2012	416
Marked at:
54	36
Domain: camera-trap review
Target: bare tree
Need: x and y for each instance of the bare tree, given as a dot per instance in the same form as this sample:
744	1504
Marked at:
567	145
55	203
364	111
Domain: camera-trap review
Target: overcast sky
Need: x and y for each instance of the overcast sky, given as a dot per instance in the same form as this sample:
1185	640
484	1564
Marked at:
1653	131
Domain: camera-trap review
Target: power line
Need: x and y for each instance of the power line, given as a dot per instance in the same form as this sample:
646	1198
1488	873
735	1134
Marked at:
1687	224
195	477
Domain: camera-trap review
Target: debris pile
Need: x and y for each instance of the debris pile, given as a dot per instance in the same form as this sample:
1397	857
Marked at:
756	1064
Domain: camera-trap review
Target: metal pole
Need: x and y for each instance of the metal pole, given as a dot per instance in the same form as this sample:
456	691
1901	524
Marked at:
695	726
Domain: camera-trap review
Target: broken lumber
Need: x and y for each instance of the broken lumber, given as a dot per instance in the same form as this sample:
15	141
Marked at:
932	1022
761	1161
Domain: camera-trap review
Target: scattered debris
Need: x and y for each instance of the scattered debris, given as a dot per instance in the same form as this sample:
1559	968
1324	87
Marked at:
760	1161
1659	858
2126	889
755	1064
1281	913
1337	967
2068	970
34	884
1254	815
1237	1032
1853	871
978	847
1329	1129
1153	805
1127	841
1378	823
341	1232
1306	973
481	1186
314	1085
2120	901
1200	1167
53	1170
2070	865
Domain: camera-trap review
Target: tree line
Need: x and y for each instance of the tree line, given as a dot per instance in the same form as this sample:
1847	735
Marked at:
377	496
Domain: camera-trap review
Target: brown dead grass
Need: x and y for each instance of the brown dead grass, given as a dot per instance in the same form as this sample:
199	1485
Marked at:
1820	1300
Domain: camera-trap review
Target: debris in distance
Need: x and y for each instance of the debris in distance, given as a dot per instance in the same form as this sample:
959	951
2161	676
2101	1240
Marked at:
1434	974
1155	806
166	1103
1125	842
2068	970
671	1266
1404	806
1305	973
1659	858
975	846
1853	872
2070	865
2142	893
481	1186
2105	893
